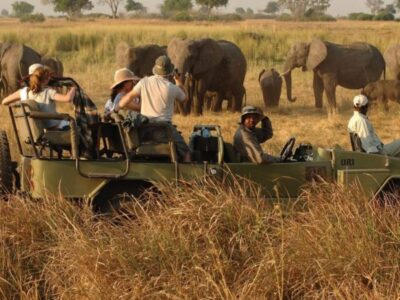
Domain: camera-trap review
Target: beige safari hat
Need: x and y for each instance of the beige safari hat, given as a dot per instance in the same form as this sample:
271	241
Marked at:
33	68
122	75
360	101
163	66
251	110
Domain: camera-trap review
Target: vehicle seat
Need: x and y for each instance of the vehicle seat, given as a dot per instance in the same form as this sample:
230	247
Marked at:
54	139
152	140
230	154
355	142
205	148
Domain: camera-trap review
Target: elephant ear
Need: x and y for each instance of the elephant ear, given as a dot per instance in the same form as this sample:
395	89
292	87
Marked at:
210	55
316	54
259	75
174	49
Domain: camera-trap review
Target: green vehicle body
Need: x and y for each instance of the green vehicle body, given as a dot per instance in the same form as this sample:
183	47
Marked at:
139	165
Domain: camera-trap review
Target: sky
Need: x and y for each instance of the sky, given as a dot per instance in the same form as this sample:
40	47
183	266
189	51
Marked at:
338	7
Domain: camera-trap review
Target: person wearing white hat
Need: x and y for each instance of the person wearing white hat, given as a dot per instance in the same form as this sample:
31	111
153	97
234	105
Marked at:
124	81
248	138
45	96
360	125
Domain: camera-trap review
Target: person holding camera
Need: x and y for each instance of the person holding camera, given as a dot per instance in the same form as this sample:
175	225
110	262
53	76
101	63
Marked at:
248	138
157	98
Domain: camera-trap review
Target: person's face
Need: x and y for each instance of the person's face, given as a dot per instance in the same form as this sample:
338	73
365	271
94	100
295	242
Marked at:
128	86
250	121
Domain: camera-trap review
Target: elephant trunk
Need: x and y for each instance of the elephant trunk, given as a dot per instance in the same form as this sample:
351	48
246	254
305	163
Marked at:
189	86
288	81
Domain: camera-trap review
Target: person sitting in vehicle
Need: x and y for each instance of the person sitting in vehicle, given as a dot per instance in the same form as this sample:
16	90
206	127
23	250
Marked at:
360	125
39	91
157	98
124	81
248	138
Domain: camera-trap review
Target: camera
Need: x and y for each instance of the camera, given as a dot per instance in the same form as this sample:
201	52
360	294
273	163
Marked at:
176	72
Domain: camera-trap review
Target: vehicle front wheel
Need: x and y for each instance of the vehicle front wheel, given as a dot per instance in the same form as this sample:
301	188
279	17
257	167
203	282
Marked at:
116	195
6	170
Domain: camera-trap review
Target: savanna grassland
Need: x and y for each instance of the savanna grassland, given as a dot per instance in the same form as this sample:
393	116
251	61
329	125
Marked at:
204	240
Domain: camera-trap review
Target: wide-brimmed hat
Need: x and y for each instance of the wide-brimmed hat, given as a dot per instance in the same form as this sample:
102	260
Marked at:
122	75
251	110
360	100
163	66
33	68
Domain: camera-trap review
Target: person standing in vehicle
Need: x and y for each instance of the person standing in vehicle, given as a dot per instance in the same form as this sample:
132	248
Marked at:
124	81
248	138
157	98
45	96
360	125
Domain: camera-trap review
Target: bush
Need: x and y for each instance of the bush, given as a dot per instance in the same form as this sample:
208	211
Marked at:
182	16
361	17
383	16
34	18
309	16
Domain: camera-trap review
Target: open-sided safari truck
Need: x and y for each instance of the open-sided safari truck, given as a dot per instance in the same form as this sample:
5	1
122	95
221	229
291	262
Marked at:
125	160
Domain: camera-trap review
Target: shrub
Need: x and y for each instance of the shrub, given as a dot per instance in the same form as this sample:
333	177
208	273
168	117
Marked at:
34	18
383	16
182	16
361	16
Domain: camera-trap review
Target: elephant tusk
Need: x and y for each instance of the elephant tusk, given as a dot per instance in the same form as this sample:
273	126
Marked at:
284	74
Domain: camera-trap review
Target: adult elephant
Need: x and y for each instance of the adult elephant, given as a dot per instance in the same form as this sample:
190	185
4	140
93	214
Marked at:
15	61
139	60
54	64
392	59
212	66
350	66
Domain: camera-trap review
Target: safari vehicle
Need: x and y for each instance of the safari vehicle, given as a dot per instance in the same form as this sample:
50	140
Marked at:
128	162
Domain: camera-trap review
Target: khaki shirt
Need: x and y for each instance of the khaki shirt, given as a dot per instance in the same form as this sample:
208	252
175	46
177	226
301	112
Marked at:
247	142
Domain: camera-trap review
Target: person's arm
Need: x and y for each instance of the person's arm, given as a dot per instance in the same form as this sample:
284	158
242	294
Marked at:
128	101
265	132
179	84
254	150
11	98
68	97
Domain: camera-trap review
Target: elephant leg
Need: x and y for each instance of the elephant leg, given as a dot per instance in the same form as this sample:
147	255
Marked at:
330	91
198	98
237	100
318	86
216	105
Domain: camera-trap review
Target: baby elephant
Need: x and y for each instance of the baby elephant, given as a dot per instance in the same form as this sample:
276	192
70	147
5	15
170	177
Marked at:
271	86
382	91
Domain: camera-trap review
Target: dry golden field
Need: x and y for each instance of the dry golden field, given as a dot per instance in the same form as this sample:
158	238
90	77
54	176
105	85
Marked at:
205	240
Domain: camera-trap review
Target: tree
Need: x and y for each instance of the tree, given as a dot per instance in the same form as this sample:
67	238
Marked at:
173	6
22	8
249	12
210	4
299	7
136	7
4	13
72	8
390	9
272	7
113	4
240	11
374	5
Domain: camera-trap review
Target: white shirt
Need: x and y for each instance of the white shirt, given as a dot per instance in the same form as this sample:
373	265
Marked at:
111	106
158	95
360	125
45	101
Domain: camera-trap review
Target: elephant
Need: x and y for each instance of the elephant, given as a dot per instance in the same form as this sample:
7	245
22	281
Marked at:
392	59
140	60
14	64
209	67
271	86
54	64
382	91
350	66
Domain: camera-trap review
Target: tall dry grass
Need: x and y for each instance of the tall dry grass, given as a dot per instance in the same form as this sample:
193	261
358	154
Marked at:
204	240
201	240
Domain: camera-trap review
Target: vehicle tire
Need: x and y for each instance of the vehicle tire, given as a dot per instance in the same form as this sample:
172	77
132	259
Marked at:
6	172
112	198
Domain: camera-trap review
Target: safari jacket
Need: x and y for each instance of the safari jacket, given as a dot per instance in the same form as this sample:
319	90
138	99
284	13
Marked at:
247	142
